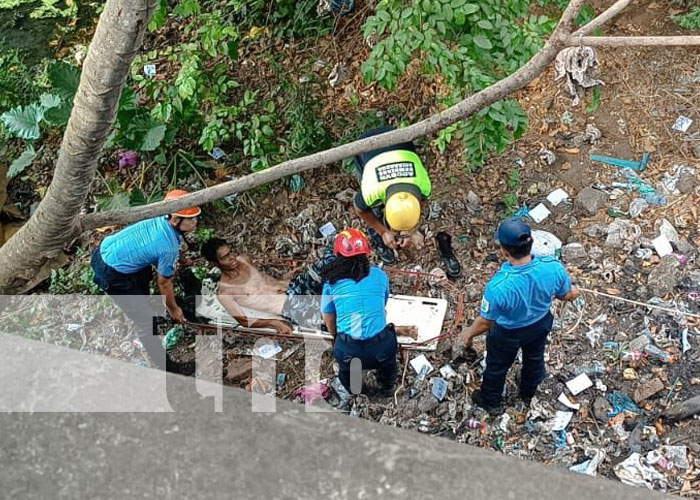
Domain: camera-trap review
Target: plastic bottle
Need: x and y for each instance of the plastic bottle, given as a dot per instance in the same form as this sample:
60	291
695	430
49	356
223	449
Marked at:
632	356
658	354
654	198
594	369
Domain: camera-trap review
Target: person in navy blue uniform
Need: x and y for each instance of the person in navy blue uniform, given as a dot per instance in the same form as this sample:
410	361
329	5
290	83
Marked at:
515	313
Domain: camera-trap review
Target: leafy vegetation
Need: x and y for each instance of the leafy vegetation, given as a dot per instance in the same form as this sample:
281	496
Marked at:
690	20
46	8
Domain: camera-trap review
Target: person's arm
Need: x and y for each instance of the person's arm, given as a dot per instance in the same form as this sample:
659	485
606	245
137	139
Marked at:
571	295
166	289
371	221
329	321
232	307
478	327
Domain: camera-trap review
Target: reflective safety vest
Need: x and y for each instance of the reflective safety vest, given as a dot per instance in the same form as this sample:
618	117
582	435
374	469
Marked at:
393	167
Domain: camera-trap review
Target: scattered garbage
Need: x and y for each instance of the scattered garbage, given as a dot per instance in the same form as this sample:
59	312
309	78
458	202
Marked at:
149	70
634	472
438	387
127	158
217	153
328	229
419	362
539	213
338	75
267	351
547	157
590	466
173	336
574	64
545	244
682	124
619	162
579	384
557	196
662	246
316	391
620	402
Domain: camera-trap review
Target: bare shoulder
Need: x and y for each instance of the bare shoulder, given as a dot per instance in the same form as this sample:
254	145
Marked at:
245	258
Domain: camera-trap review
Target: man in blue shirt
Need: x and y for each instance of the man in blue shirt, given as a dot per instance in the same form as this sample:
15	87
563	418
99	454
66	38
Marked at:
515	312
123	269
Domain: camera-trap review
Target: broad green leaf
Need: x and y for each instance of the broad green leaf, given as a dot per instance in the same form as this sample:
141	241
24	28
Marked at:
484	24
107	202
137	198
59	115
64	80
481	41
21	162
470	8
158	18
24	121
49	101
153	137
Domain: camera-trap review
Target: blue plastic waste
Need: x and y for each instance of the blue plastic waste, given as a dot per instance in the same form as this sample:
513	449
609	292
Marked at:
621	402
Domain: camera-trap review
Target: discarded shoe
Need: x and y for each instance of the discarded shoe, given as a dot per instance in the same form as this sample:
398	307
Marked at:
478	400
452	266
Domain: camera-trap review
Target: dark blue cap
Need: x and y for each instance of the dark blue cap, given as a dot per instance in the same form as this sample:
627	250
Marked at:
513	233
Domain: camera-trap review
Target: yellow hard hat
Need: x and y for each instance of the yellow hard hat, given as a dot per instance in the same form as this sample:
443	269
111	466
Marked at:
402	211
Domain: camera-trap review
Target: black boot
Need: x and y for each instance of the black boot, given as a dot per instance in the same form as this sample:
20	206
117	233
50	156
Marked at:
478	400
181	368
385	253
452	267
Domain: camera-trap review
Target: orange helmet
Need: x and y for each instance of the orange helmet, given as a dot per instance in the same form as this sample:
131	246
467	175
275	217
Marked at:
350	243
183	212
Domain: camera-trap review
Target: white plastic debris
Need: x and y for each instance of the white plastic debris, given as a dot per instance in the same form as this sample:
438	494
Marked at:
662	246
560	421
502	423
149	70
267	351
217	153
564	399
633	472
539	213
438	387
448	372
589	467
338	74
327	229
684	341
544	244
419	362
579	384
574	63
682	124
557	196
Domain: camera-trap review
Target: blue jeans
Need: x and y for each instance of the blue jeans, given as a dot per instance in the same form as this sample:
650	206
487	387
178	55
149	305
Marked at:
502	346
377	353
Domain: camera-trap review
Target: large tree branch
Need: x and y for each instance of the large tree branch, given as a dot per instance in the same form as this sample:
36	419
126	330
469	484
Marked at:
603	18
459	111
630	41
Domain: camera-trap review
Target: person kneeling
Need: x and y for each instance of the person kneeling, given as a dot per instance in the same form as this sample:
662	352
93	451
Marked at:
353	307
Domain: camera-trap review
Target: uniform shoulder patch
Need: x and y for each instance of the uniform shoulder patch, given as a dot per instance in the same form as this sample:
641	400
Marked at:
485	305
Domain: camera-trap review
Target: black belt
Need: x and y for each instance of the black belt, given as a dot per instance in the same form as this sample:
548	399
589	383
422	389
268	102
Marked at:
388	330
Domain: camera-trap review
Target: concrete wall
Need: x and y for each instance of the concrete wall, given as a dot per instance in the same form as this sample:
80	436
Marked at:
194	452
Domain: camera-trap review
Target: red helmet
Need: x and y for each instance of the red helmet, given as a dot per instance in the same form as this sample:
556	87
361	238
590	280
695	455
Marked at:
183	212
351	242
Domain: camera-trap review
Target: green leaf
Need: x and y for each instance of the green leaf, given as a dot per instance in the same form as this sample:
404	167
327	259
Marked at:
481	41
484	24
22	162
137	198
470	8
64	80
59	115
153	137
24	121
107	202
49	101
158	18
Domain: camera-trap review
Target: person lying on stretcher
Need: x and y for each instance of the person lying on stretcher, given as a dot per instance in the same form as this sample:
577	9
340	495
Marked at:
294	298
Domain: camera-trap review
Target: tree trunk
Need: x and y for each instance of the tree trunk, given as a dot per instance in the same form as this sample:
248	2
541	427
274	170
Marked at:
117	39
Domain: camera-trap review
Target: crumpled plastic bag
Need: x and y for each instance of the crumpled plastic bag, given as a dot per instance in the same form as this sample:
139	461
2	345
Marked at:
311	393
634	472
574	64
590	466
621	402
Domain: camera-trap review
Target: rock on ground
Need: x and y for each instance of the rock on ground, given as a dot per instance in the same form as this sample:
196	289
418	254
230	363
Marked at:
574	253
664	277
648	389
591	200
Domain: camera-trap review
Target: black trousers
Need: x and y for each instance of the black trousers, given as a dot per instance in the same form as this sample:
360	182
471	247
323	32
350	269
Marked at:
502	346
377	353
131	293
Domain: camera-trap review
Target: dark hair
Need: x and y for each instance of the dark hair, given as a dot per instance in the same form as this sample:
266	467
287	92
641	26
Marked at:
522	250
210	248
354	268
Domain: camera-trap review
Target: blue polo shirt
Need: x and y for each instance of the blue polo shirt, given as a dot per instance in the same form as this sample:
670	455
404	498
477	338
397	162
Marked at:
519	296
151	242
359	306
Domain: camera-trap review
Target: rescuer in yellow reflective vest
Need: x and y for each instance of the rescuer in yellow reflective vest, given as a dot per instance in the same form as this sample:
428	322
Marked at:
393	185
